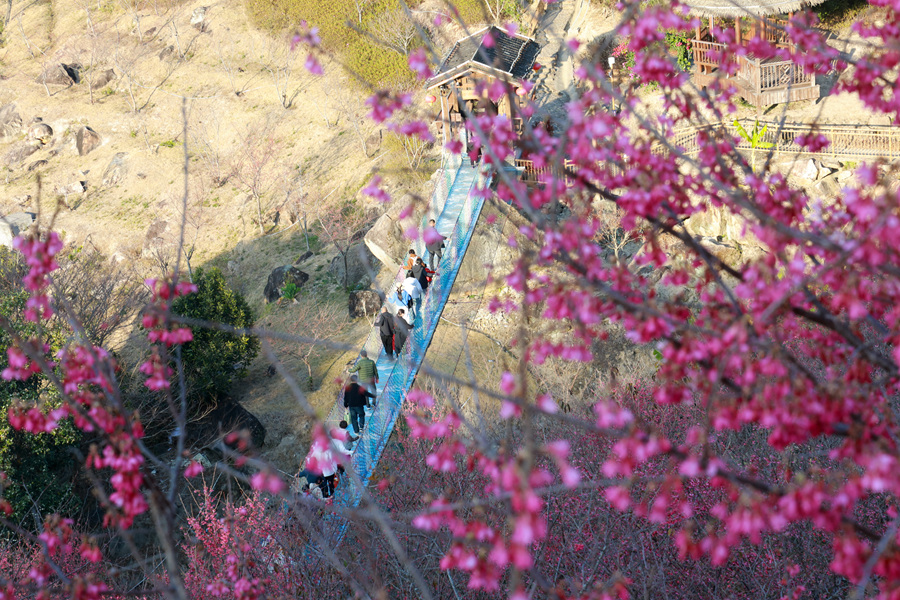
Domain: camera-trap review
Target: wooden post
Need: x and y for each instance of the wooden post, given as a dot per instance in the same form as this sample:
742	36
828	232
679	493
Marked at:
737	30
756	28
697	34
710	27
445	116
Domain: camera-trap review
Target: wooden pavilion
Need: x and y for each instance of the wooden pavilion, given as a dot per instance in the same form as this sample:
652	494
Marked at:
483	57
761	82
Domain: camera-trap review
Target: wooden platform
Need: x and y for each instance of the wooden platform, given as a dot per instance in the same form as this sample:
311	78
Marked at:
760	82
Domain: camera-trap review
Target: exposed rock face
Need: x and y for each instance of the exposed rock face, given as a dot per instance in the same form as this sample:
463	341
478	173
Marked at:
21	151
364	303
198	18
359	270
40	132
10	121
729	252
116	169
155	239
489	247
38	164
303	257
12	225
86	140
103	79
386	240
280	276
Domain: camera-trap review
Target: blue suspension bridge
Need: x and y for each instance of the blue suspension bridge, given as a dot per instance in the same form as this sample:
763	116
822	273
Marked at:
455	205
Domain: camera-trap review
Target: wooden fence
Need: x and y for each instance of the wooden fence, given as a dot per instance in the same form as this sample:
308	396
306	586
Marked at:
846	142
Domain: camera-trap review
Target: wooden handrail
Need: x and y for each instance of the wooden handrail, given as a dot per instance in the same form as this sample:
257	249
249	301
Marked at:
846	142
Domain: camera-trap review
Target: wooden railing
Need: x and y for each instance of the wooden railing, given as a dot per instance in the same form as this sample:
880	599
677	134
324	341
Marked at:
764	77
776	35
532	174
846	142
783	74
706	53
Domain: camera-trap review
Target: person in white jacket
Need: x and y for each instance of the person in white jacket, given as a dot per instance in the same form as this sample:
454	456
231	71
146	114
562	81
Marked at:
413	289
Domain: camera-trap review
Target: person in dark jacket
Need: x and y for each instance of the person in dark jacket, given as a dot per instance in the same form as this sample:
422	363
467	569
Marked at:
435	247
402	330
356	399
421	273
385	325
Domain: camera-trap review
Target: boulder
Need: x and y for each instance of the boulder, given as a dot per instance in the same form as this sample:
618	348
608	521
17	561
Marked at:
226	417
828	188
363	303
10	121
198	18
103	79
40	132
843	175
76	187
386	240
811	171
373	143
61	74
38	164
280	276
831	163
166	52
14	224
86	140
303	257
154	239
359	269
23	200
19	152
116	169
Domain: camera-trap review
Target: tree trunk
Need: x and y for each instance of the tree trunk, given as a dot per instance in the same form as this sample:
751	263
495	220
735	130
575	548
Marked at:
262	230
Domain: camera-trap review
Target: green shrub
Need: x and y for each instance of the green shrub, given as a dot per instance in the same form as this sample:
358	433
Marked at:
290	290
39	468
679	47
339	27
834	13
215	358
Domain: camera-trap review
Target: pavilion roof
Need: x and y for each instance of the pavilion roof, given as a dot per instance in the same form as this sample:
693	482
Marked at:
746	8
509	57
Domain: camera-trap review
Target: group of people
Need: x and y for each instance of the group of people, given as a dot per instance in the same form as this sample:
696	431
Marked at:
394	329
320	483
360	393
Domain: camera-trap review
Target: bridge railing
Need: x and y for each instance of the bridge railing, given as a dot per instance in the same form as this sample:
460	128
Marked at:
449	168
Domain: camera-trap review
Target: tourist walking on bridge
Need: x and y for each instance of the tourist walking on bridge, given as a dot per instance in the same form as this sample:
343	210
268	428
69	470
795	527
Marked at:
367	370
435	246
385	325
421	273
356	399
402	330
410	260
412	293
